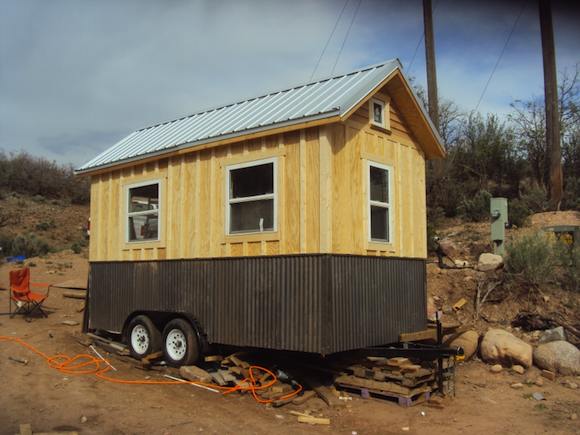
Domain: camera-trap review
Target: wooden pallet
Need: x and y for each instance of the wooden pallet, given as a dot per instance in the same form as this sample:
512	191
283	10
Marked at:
402	400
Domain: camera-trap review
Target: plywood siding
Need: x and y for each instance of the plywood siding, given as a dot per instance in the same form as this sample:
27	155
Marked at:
355	143
192	203
322	196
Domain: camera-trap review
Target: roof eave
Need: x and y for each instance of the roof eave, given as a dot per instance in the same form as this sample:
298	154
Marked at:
319	119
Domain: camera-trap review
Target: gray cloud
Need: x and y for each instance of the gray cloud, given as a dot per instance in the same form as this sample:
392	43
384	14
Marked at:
76	76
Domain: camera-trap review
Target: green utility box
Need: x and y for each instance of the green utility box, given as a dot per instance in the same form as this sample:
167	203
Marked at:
498	208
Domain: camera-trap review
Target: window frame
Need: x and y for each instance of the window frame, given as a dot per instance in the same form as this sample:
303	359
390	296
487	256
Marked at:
388	205
273	196
129	214
383	105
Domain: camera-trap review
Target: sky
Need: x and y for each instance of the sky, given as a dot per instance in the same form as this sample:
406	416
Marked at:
76	76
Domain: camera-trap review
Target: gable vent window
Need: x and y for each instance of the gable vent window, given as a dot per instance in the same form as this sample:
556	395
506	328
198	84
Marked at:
379	113
251	197
380	214
143	212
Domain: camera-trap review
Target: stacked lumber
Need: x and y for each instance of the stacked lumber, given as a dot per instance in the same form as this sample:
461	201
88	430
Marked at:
397	378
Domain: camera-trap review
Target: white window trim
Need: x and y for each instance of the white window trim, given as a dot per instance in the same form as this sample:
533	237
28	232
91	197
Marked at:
384	106
128	214
274	195
387	205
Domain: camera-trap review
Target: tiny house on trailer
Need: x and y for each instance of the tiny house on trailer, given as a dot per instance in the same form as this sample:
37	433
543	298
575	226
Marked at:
292	221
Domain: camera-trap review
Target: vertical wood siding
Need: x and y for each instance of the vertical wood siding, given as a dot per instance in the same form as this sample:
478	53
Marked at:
322	196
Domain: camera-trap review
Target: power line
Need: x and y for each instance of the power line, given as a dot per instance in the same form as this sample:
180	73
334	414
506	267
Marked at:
328	40
501	54
346	36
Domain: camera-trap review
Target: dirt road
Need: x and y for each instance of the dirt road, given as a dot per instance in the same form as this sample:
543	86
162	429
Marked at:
34	393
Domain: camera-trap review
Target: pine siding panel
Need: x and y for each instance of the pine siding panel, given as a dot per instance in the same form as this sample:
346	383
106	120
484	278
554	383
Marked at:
312	202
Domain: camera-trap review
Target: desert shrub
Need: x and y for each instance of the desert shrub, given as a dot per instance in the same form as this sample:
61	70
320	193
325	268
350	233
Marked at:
5	244
29	245
434	217
477	207
569	258
45	226
531	259
518	212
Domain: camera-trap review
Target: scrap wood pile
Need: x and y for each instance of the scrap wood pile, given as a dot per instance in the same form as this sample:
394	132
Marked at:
396	378
293	381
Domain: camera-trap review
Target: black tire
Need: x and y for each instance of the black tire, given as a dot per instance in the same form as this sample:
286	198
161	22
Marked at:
143	337
180	343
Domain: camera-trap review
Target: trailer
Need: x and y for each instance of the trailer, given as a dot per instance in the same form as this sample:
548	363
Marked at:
293	221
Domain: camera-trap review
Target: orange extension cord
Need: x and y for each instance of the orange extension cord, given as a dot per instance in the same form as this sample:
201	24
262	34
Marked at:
85	364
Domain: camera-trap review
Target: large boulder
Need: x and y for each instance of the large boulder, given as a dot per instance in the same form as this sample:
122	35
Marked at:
555	334
488	262
558	356
467	340
449	248
499	346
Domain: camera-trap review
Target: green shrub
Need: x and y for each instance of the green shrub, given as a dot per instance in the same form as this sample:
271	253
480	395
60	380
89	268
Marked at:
5	244
477	207
45	226
569	258
531	258
29	245
518	212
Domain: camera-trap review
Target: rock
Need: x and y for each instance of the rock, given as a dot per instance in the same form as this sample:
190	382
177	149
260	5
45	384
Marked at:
571	385
549	335
467	340
549	375
538	396
518	369
488	262
539	382
461	263
448	248
84	419
496	368
194	373
501	346
574	416
431	308
70	322
559	357
517	385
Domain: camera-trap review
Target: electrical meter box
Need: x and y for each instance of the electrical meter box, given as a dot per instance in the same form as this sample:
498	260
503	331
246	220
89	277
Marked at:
499	220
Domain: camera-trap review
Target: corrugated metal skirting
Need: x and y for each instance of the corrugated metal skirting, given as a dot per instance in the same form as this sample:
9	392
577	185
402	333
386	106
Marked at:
312	303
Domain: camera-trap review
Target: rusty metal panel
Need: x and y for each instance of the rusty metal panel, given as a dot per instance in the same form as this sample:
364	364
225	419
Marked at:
312	303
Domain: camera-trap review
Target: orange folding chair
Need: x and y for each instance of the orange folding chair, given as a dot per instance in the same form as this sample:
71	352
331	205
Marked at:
26	301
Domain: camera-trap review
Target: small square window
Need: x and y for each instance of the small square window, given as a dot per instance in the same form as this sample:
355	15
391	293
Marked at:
378	113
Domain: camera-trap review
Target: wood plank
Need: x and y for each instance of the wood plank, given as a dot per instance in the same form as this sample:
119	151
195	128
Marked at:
390	387
426	334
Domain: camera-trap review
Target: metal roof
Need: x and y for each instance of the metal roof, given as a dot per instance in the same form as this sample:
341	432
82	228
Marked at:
307	102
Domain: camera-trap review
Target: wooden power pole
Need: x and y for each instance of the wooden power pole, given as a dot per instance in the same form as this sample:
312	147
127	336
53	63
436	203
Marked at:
430	58
553	153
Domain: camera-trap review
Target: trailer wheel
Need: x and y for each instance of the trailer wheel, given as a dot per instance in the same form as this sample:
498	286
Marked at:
144	337
180	344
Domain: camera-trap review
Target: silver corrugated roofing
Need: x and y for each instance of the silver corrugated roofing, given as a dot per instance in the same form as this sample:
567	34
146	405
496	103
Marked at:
307	102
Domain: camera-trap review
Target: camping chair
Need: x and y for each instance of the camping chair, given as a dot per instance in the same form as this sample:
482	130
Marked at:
25	300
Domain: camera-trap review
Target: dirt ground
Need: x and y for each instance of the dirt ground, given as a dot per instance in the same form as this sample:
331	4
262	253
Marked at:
50	401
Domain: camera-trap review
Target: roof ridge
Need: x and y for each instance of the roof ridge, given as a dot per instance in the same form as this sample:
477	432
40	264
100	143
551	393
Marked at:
301	85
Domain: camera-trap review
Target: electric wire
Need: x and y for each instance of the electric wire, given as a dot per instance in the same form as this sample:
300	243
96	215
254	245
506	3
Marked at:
85	364
328	40
346	36
515	23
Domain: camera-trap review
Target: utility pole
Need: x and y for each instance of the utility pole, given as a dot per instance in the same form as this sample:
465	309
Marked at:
430	60
553	153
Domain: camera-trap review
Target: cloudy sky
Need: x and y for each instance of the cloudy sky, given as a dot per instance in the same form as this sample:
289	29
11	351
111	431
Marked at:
78	75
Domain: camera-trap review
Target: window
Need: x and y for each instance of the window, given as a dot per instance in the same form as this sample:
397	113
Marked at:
379	203
378	111
251	197
143	212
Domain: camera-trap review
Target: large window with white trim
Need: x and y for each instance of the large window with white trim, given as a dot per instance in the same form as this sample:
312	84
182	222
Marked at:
143	212
251	197
379	203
